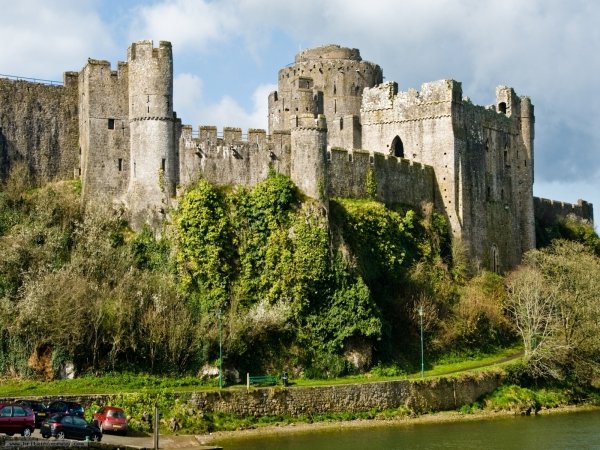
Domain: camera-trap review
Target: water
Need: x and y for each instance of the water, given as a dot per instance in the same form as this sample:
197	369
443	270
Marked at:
580	430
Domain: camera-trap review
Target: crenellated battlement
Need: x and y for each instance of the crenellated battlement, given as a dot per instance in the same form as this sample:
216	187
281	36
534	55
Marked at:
548	211
227	135
145	49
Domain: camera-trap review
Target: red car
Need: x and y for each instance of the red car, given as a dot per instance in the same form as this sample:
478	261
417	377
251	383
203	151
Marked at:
111	418
16	419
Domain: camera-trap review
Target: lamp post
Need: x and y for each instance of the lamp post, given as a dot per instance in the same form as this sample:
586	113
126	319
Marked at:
422	360
220	348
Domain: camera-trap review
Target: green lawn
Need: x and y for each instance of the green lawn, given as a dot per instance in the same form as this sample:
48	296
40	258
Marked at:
121	383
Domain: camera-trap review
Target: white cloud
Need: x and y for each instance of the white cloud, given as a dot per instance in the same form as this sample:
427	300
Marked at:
188	24
194	110
45	38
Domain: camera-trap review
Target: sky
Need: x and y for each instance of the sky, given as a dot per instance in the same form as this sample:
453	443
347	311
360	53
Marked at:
227	54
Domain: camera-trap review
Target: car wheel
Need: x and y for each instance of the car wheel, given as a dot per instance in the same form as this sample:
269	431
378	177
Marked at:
96	437
45	436
26	432
60	435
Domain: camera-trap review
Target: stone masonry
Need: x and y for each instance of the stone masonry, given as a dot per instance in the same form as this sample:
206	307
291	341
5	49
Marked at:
332	121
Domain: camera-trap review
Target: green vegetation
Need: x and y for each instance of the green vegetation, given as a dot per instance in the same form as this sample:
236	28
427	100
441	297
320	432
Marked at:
126	382
330	295
520	400
568	228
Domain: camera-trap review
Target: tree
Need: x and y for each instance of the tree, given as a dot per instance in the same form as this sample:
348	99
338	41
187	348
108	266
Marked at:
554	303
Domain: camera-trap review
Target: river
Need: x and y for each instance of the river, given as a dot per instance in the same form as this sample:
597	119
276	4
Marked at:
574	430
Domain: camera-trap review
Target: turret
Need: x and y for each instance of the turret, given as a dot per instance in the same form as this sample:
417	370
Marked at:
526	174
153	157
309	152
325	80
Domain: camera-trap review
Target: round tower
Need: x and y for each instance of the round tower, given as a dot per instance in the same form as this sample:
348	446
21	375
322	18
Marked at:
325	80
152	131
526	175
309	150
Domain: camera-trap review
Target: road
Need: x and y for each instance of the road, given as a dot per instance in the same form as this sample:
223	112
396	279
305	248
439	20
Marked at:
166	442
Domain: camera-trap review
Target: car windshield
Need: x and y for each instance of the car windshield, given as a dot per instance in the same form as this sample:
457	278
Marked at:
117	414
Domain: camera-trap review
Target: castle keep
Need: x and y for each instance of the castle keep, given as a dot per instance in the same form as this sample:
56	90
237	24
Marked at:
333	123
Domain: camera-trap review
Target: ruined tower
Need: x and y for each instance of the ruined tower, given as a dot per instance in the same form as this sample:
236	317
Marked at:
152	129
325	80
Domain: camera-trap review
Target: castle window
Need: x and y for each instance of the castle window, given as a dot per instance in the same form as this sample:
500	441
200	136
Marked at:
305	83
328	156
275	96
502	107
163	164
120	164
349	157
495	259
506	158
397	148
488	194
111	124
371	159
341	123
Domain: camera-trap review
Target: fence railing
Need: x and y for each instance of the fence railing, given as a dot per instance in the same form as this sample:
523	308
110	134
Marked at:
32	80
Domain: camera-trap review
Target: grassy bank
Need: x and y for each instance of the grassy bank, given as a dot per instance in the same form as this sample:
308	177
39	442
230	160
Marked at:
128	382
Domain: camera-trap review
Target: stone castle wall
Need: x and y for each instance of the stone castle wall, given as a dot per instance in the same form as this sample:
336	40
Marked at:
104	133
481	161
398	180
494	191
39	125
549	211
230	158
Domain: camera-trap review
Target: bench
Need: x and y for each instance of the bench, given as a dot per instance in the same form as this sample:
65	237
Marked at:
260	380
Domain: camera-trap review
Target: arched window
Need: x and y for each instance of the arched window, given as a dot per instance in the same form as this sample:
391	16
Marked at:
502	107
397	148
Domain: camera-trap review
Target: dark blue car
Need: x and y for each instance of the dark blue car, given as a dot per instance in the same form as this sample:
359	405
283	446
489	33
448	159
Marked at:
68	426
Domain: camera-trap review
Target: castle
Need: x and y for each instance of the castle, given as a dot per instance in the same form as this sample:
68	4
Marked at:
333	124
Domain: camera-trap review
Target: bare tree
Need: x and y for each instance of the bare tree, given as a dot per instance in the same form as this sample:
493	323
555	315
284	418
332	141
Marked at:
533	308
554	304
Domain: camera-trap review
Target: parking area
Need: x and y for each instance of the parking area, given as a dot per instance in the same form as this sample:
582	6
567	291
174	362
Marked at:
147	442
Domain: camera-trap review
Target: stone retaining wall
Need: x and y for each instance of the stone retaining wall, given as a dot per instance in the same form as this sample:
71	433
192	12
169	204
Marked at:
419	396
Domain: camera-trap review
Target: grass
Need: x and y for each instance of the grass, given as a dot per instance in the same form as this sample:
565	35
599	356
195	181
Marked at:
129	382
105	384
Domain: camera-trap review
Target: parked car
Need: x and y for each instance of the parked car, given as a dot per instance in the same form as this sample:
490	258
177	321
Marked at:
39	409
65	407
69	426
111	418
16	419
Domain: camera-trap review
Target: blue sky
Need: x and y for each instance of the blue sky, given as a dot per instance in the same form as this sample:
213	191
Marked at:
227	54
